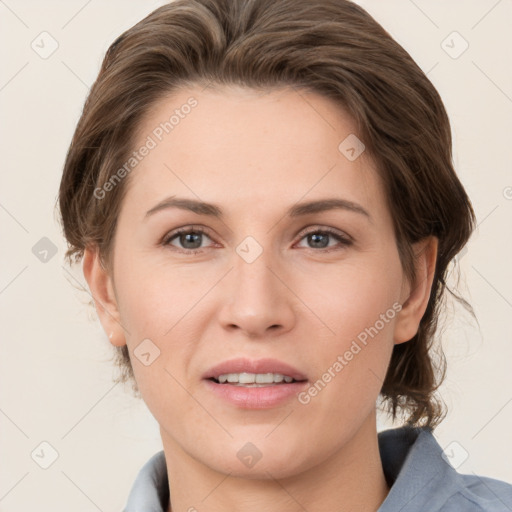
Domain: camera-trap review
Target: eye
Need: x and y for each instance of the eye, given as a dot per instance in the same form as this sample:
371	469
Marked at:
190	239
319	238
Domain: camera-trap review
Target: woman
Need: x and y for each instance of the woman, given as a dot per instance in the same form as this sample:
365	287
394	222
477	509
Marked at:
264	199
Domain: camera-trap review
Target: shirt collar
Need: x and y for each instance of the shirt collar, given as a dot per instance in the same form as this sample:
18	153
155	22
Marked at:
419	476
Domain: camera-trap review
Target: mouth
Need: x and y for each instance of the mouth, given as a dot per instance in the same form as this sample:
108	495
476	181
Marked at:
254	380
255	384
243	371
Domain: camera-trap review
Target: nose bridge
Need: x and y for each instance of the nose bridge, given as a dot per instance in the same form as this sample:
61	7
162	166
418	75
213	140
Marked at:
254	277
258	299
253	255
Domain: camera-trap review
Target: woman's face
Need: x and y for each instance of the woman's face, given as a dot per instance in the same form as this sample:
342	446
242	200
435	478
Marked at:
309	292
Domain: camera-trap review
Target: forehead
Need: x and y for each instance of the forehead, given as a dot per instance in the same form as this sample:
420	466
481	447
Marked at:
234	144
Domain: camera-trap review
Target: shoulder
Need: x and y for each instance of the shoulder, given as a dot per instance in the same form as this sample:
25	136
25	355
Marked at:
480	494
421	477
150	490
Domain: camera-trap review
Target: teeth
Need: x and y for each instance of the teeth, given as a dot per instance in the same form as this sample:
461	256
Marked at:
253	378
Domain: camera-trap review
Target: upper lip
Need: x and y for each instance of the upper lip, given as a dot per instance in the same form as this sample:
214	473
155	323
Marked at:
242	365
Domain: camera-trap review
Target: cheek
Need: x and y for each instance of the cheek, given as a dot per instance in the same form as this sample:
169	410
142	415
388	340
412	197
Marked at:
359	304
352	296
154	296
162	311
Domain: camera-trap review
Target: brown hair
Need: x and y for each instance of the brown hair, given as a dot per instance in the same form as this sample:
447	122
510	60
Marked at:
332	47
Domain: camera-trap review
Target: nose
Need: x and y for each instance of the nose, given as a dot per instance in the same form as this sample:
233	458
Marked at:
257	300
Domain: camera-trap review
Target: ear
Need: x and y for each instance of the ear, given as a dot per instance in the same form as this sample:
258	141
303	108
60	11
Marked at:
415	295
102	290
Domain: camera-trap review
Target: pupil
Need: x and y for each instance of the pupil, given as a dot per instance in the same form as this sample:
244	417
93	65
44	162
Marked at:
190	237
315	238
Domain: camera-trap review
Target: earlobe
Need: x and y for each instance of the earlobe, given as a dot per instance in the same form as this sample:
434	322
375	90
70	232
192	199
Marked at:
102	290
417	294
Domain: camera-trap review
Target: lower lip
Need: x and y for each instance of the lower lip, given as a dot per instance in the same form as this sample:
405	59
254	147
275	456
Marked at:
256	397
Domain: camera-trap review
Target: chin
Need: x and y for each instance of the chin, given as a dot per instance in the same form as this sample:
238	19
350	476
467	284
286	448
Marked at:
260	459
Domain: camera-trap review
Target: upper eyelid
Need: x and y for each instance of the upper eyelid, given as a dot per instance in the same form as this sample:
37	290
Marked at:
328	230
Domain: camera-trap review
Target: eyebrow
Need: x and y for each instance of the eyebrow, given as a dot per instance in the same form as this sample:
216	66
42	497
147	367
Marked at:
305	208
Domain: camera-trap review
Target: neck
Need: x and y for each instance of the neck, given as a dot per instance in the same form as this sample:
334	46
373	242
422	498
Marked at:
350	479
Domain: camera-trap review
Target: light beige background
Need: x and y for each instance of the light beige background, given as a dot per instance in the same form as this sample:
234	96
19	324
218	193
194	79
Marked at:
55	372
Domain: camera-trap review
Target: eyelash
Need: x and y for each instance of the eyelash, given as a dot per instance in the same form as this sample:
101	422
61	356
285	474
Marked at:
344	240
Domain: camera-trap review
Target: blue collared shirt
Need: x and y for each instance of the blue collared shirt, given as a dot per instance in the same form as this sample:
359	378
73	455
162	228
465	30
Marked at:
420	479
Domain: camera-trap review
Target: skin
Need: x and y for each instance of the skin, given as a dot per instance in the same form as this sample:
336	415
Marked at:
256	154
